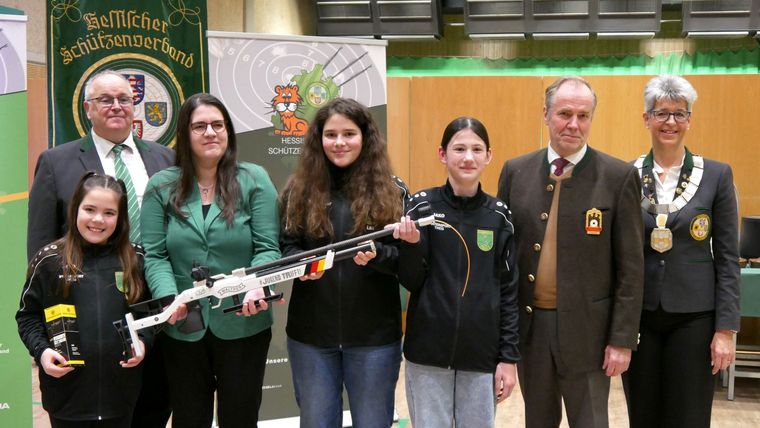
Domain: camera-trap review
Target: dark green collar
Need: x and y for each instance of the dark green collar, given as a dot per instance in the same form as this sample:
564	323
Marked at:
577	168
688	161
87	143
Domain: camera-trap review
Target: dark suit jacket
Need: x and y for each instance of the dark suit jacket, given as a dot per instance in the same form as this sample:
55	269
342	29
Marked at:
599	277
699	274
57	173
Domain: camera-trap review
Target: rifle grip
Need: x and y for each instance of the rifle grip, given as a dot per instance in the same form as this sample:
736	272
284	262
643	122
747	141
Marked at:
271	298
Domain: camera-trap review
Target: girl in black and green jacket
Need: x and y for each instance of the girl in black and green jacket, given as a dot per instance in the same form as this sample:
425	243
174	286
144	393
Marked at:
95	269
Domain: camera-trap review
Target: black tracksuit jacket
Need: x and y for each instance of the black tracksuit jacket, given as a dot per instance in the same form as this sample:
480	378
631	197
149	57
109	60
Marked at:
101	388
350	305
463	281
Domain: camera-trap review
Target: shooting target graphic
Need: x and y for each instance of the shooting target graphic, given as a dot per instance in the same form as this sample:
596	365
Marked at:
12	49
245	74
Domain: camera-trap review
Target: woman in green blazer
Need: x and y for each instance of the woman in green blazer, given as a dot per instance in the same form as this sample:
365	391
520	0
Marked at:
211	209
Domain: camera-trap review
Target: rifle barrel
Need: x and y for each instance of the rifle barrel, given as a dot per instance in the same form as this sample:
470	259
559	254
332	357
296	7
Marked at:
336	245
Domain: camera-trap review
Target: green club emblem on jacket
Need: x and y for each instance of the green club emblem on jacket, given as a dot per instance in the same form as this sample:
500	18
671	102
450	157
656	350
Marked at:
485	239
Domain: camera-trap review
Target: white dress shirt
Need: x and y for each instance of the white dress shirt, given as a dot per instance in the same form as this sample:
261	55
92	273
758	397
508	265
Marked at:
573	159
666	189
131	158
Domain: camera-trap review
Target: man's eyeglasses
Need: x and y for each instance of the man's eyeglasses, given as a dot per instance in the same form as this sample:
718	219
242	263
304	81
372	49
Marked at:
679	116
107	100
200	127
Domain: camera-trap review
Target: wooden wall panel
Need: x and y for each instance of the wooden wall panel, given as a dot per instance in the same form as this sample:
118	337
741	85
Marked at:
724	125
618	125
399	89
38	122
509	107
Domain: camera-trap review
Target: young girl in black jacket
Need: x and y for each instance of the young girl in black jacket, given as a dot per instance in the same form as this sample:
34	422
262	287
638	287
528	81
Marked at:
95	269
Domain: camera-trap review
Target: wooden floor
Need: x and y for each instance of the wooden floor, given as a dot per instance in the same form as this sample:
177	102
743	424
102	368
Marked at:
743	412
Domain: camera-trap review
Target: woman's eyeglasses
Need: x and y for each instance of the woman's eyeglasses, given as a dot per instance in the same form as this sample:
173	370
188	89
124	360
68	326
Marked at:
679	116
200	127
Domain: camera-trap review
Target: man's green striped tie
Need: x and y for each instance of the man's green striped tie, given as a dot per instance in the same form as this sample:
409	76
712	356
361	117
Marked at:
133	208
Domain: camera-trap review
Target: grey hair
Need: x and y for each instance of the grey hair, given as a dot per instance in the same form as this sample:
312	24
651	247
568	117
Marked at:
669	87
551	91
99	74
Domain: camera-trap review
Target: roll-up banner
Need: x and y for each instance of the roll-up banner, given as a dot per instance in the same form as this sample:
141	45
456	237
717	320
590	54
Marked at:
273	86
16	389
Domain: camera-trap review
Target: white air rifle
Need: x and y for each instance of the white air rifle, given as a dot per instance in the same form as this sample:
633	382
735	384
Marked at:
242	280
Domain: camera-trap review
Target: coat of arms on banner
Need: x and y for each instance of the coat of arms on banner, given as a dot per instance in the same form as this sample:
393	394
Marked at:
137	82
155	112
152	119
137	128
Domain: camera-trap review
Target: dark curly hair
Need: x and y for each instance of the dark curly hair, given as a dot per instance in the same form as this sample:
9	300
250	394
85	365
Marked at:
368	185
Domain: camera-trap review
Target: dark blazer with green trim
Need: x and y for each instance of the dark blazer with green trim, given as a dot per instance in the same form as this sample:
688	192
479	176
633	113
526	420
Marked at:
600	278
57	173
701	272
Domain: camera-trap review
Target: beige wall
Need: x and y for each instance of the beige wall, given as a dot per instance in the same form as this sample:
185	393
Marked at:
294	17
35	26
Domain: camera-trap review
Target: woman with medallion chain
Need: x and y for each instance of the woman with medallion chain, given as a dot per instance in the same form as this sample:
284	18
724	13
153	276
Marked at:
691	290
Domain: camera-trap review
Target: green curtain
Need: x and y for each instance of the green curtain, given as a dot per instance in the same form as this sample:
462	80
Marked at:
742	61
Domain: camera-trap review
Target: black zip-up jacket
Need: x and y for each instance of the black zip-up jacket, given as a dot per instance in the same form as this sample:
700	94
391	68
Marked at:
463	281
101	388
350	305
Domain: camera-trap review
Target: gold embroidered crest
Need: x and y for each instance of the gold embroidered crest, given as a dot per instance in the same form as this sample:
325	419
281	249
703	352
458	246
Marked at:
700	227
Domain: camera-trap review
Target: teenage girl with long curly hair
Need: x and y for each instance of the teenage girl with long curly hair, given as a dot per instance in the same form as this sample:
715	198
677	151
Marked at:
344	324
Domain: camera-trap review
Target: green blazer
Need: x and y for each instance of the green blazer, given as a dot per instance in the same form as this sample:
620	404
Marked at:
173	242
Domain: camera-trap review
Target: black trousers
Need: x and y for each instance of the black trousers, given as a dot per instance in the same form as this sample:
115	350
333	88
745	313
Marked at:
105	423
234	369
669	382
152	409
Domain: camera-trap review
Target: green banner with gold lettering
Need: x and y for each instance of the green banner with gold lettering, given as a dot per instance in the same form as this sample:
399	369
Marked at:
159	45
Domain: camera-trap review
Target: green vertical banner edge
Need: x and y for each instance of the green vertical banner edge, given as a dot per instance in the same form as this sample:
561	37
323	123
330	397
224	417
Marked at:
16	390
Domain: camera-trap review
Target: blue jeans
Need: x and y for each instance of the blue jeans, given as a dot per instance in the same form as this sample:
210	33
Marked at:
369	373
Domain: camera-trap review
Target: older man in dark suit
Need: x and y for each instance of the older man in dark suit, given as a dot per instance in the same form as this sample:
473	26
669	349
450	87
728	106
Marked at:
579	235
108	102
109	106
